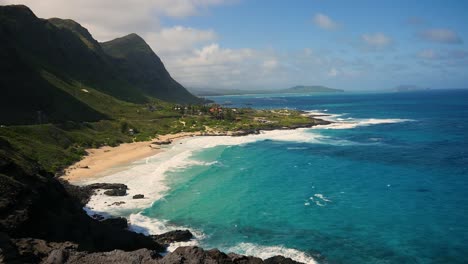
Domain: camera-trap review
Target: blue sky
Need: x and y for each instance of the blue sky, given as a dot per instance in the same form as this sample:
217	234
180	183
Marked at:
241	44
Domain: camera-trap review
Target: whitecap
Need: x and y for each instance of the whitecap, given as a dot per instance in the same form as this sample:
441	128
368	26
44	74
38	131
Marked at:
264	252
319	204
151	226
323	198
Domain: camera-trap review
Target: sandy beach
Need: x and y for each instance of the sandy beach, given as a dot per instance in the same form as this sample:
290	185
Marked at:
100	160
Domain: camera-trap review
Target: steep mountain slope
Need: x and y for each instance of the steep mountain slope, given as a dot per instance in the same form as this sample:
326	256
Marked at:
34	51
144	69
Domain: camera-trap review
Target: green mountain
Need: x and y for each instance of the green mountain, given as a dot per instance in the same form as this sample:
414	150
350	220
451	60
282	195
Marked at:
295	89
144	69
53	70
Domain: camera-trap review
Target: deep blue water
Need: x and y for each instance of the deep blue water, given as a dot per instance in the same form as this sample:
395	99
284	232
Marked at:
392	192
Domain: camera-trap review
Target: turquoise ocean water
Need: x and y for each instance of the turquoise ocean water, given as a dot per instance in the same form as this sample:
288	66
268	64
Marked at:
387	184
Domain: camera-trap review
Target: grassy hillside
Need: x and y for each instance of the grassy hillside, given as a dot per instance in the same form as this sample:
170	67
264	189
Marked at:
32	49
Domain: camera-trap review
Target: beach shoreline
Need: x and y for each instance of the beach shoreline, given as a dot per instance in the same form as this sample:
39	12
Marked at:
98	161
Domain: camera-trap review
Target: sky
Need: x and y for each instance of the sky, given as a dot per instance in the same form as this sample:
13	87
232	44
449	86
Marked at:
270	44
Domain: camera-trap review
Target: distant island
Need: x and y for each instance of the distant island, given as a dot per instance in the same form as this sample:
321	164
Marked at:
299	89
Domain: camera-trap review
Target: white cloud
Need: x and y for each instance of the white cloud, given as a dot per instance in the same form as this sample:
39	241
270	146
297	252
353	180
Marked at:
325	22
441	35
108	19
178	39
376	41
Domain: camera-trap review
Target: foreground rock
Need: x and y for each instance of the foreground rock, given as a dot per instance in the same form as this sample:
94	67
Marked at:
83	193
33	203
138	196
30	250
173	236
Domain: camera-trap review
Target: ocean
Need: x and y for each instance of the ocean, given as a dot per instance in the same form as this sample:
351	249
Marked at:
386	183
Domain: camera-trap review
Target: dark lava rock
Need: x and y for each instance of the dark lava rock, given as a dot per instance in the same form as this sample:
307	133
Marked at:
84	193
246	132
280	260
138	196
116	192
141	256
117	203
240	259
107	186
195	255
165	142
173	236
118	222
33	203
8	251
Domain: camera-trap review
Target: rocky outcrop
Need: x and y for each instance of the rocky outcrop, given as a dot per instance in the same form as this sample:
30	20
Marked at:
35	204
138	196
116	192
118	222
141	256
84	193
196	255
173	236
28	250
162	142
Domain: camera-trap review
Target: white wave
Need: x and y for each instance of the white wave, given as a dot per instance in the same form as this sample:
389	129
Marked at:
355	122
347	123
319	195
151	226
148	176
265	252
319	204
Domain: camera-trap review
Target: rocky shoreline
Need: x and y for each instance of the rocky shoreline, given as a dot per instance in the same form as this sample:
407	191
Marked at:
41	244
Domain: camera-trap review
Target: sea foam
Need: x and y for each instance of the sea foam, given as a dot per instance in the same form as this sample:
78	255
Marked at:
265	252
150	226
348	123
148	176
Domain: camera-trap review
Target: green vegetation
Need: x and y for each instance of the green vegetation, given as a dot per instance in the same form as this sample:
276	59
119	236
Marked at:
63	92
56	146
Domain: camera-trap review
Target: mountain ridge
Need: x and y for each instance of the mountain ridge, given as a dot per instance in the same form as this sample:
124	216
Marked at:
32	47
